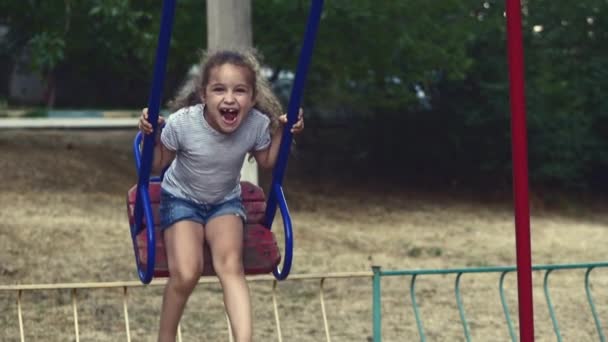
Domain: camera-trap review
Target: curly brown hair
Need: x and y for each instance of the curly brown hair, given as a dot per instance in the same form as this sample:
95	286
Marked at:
190	92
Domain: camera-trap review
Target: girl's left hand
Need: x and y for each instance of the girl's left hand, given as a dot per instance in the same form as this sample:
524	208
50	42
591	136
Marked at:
298	127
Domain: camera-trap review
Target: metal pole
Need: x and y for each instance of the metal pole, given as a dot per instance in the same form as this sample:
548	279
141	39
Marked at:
520	170
377	304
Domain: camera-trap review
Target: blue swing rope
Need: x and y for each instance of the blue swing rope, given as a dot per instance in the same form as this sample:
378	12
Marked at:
143	159
144	166
276	195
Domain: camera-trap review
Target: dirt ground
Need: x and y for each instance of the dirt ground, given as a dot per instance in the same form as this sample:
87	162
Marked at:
63	220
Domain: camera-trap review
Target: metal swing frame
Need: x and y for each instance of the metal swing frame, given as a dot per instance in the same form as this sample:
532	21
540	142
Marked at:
276	197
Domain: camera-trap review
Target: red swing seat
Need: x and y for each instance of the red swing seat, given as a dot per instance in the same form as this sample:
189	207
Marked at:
261	253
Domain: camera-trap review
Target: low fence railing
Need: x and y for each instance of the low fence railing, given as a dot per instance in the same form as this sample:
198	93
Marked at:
375	278
503	271
126	287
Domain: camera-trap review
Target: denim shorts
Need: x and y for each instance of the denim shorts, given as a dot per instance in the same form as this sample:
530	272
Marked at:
174	209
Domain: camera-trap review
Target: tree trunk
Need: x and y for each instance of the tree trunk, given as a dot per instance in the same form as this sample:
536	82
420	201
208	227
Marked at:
229	25
50	89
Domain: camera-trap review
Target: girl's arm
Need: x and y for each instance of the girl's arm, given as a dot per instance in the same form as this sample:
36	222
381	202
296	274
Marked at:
162	156
268	157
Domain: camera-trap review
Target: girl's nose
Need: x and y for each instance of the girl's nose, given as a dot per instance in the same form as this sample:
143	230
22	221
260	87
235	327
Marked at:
229	98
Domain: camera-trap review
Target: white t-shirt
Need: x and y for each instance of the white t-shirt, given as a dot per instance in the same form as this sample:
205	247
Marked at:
208	163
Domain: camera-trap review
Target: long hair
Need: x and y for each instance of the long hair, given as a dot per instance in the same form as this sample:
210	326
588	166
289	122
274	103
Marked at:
265	99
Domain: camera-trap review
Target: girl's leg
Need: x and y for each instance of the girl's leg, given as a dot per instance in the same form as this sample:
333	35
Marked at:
224	235
184	245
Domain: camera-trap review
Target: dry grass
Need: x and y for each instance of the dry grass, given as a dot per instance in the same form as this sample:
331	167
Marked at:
63	219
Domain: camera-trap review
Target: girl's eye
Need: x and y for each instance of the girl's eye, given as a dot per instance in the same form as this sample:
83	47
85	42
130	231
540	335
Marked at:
241	90
217	89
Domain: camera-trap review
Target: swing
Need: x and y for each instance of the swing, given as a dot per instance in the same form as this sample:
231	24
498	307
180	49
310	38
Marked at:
261	252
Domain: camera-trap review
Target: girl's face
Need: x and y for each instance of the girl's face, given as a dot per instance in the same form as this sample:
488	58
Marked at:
228	97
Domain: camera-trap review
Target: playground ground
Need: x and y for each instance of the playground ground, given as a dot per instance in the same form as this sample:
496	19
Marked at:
63	219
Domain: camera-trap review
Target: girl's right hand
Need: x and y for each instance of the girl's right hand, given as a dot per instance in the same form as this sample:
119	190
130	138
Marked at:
145	126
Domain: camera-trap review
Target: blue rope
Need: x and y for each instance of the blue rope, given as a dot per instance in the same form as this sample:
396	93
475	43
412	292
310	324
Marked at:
276	194
145	165
294	104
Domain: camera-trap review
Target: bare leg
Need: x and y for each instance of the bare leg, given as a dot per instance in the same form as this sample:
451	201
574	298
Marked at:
225	238
184	244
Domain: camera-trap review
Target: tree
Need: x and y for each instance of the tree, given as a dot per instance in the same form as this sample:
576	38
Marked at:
371	59
229	24
98	47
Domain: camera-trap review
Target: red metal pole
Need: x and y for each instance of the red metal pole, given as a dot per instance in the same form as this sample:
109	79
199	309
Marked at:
520	170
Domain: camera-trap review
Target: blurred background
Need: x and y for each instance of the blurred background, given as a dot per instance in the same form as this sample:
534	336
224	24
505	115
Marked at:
405	161
413	91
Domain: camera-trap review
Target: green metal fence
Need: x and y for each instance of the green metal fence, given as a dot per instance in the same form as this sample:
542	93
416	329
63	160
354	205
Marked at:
378	273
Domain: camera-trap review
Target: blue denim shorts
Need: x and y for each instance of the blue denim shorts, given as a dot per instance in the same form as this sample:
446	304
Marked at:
174	209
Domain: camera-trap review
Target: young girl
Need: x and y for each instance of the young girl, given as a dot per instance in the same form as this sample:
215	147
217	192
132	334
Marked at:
224	112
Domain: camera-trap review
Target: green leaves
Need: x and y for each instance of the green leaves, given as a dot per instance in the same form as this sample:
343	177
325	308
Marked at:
370	57
368	49
566	69
46	51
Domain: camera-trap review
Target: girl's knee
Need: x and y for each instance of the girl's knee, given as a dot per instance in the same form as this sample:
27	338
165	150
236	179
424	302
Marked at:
228	265
184	280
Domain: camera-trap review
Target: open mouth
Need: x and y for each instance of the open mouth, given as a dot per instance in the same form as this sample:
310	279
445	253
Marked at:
229	115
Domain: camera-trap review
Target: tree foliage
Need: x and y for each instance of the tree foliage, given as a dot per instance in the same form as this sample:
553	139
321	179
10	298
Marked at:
99	47
421	87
